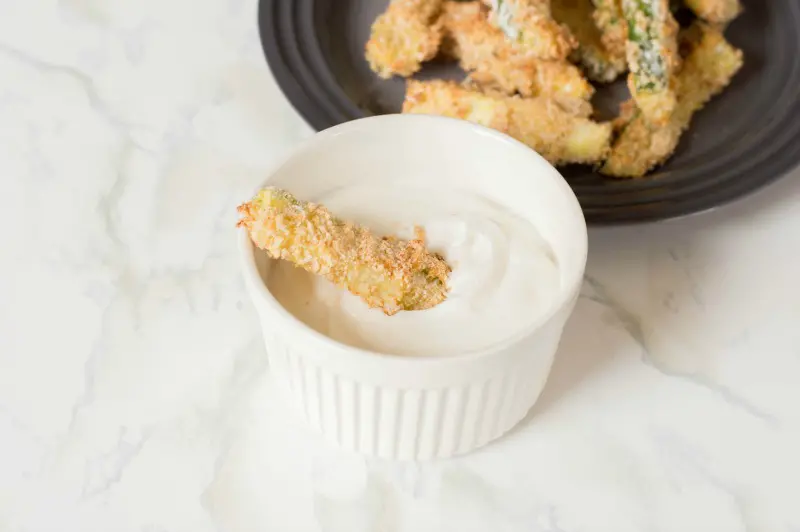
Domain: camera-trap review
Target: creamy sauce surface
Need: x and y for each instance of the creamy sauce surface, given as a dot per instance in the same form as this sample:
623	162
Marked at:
504	274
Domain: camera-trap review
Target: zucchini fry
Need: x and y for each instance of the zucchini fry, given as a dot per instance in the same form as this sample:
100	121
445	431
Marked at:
491	61
404	37
559	134
556	134
715	11
652	52
529	26
707	70
447	98
611	23
387	273
599	63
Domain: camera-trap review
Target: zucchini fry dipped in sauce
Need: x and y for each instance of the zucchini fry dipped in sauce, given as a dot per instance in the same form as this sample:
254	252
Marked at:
486	54
707	70
560	135
600	63
718	12
387	273
403	37
529	25
652	52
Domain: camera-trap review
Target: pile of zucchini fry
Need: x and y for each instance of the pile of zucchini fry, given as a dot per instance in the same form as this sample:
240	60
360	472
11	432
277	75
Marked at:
533	66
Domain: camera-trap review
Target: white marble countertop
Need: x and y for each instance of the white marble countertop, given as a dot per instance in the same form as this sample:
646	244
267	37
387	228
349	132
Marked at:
134	393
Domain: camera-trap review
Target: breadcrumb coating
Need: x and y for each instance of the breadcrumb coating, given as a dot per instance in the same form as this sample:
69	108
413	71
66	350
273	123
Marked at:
492	61
403	37
529	26
387	273
708	69
600	63
561	135
652	52
613	29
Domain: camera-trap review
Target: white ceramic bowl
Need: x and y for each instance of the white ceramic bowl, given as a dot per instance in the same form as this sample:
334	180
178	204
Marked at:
421	408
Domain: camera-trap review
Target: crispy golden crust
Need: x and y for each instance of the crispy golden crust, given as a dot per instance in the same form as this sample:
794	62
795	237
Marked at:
486	54
561	135
708	69
387	273
716	11
652	53
403	37
438	97
611	23
599	63
557	135
529	26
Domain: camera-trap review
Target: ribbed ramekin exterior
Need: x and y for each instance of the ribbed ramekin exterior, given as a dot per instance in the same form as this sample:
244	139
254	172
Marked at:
414	423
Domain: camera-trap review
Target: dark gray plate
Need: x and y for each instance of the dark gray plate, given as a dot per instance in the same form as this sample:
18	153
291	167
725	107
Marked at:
744	139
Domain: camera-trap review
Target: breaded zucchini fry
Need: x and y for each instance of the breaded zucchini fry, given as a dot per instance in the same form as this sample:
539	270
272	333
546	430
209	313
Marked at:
652	52
403	37
530	27
707	70
387	273
557	135
486	54
715	11
560	135
599	63
447	98
611	23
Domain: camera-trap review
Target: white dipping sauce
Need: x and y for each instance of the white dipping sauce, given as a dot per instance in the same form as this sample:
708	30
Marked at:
504	274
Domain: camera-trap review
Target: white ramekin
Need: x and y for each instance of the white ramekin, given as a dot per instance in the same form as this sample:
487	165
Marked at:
421	408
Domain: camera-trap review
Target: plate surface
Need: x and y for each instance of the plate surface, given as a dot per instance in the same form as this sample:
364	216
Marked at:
742	140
